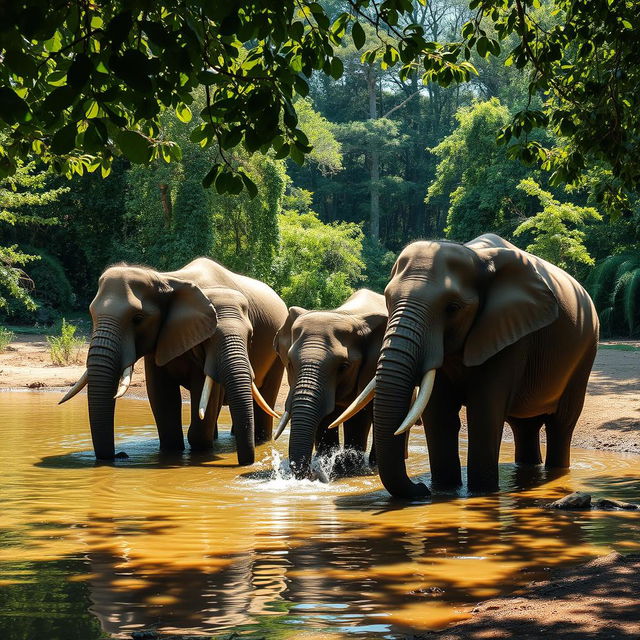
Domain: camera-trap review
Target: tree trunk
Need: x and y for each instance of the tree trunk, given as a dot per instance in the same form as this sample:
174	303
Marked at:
374	216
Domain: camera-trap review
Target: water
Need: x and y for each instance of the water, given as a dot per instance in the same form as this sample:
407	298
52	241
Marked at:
194	544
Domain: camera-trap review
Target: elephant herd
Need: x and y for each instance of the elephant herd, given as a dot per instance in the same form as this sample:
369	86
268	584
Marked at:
483	325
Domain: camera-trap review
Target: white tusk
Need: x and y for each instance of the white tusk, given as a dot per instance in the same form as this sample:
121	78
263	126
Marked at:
262	403
125	381
204	397
77	387
364	397
422	399
282	424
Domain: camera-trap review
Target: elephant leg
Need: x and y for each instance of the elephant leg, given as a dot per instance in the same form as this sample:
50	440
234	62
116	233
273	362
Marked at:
442	426
201	433
560	425
526	434
166	405
269	391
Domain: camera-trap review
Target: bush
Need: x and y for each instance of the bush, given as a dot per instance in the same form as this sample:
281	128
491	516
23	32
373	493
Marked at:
50	289
614	286
6	337
65	348
319	264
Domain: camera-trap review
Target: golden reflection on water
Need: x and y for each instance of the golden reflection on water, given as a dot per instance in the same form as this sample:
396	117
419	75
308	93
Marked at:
198	545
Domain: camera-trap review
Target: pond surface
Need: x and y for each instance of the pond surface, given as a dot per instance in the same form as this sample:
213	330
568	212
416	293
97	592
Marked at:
197	545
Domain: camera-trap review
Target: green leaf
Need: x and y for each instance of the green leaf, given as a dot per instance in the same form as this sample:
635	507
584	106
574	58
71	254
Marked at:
183	112
64	139
79	71
337	68
207	181
12	107
296	155
483	46
249	184
357	33
134	146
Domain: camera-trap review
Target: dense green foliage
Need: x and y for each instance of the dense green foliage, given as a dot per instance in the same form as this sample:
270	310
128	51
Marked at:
318	263
553	238
582	56
76	77
21	195
388	159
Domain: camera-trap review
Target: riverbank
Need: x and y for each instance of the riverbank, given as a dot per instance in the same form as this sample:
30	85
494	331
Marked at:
596	600
610	420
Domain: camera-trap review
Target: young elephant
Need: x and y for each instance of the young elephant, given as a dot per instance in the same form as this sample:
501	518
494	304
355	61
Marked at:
330	356
493	328
200	327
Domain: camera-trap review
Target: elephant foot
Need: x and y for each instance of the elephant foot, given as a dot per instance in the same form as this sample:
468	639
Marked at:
201	445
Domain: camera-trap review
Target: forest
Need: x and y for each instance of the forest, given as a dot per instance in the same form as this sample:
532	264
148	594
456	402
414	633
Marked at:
391	160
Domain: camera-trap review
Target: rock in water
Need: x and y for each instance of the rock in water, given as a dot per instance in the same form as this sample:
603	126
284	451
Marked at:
610	505
575	500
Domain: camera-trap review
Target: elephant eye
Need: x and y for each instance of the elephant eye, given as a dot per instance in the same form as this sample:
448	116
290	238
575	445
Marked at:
138	318
452	307
345	365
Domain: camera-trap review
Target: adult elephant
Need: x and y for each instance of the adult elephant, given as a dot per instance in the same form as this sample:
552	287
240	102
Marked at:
202	327
330	356
485	325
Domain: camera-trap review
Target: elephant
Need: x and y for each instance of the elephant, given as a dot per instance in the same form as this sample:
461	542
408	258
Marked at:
487	326
202	327
330	356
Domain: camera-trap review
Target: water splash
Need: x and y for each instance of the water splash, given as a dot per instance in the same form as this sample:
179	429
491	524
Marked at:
278	476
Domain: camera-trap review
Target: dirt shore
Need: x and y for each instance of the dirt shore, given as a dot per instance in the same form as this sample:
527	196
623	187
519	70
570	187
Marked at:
596	600
610	419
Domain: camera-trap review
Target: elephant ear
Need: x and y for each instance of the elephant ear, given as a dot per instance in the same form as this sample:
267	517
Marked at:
283	338
518	301
190	320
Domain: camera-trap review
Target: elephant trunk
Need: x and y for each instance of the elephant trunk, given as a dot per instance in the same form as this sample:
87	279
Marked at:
235	375
307	410
103	371
400	367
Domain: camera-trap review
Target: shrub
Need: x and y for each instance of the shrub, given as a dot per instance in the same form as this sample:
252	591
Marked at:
614	286
65	348
6	337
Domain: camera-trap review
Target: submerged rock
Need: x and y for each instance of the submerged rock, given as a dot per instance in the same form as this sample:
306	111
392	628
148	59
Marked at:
575	500
610	505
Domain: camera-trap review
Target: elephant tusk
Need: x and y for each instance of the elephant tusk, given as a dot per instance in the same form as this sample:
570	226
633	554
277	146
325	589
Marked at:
422	399
204	398
262	403
77	387
125	381
364	397
282	424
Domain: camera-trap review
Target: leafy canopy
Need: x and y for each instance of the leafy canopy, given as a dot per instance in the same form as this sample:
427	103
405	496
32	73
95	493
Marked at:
583	57
82	82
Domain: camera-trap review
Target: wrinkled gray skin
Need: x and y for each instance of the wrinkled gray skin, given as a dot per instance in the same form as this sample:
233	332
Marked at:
330	357
511	337
201	318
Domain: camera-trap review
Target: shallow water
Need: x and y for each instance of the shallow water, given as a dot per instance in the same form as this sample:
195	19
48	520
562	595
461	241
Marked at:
198	545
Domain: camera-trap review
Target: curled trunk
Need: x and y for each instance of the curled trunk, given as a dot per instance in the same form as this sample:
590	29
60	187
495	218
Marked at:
235	375
103	370
307	411
399	370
